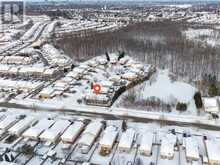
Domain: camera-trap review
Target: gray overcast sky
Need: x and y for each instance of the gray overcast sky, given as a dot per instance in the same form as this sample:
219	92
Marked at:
172	1
134	0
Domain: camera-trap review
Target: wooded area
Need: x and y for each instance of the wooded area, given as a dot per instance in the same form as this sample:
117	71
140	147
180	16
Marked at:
158	43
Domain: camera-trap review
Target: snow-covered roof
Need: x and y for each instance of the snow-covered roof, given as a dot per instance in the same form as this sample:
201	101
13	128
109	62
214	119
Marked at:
92	63
36	130
213	150
109	136
7	122
138	66
51	26
167	145
124	60
24	85
79	70
127	139
86	163
31	70
146	142
87	139
73	74
106	83
104	90
93	128
61	85
52	133
192	150
54	56
4	68
129	75
13	70
50	49
7	163
22	125
90	133
2	57
31	31
90	95
66	79
16	60
72	132
48	92
135	70
115	78
50	71
102	60
113	59
130	62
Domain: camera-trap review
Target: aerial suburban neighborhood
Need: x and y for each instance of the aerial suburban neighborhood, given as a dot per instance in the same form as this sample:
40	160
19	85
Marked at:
109	82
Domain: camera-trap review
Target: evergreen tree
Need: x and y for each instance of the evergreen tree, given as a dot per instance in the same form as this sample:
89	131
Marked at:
124	125
7	158
121	55
198	100
107	56
12	157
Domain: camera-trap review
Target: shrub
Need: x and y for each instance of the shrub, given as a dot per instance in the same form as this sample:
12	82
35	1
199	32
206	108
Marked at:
213	90
10	139
27	149
79	101
131	97
181	106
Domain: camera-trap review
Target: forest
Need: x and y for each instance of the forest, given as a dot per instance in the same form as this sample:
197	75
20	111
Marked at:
159	43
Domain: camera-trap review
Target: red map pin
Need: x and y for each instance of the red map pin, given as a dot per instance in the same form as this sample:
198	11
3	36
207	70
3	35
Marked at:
97	88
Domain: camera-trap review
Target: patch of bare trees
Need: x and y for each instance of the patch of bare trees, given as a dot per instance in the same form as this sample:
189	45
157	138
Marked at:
149	104
158	43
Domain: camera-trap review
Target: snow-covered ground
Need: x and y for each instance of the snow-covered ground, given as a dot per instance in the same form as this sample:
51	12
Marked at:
211	104
161	87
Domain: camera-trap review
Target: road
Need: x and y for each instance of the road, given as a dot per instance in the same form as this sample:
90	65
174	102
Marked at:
118	113
27	43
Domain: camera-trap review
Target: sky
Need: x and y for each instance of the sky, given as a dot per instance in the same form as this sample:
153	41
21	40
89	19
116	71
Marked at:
171	1
132	0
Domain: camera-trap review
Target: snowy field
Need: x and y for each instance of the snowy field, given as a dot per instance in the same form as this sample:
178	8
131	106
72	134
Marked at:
163	88
169	91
